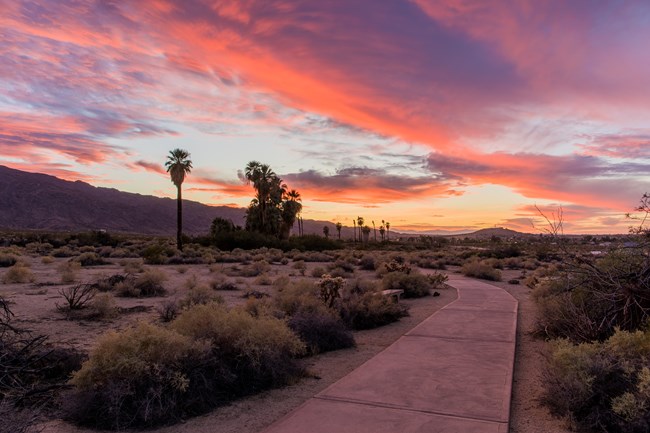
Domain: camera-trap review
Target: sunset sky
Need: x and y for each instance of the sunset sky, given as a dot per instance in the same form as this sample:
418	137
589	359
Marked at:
431	114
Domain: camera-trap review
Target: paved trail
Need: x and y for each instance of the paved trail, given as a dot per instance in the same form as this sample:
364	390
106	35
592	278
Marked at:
452	374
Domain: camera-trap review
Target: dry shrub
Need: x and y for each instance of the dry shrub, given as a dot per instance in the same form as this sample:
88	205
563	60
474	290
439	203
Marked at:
139	377
147	284
46	260
481	269
90	259
297	296
367	263
370	309
18	274
77	297
16	419
318	272
221	283
300	266
414	284
200	295
69	271
264	280
259	351
601	386
168	310
133	267
103	306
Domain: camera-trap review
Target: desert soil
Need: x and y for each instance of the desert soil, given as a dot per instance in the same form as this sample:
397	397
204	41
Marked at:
34	305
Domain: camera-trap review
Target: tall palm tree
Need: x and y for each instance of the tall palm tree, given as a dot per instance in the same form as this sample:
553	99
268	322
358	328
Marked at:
360	222
354	228
374	228
339	226
387	231
178	166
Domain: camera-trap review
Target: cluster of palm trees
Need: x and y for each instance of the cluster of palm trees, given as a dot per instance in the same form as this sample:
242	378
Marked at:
273	211
275	208
362	232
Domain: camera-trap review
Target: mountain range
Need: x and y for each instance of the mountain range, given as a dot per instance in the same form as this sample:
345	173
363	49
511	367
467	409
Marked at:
35	201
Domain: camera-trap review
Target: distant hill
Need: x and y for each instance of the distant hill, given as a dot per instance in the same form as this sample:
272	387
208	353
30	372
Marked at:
499	232
43	202
34	201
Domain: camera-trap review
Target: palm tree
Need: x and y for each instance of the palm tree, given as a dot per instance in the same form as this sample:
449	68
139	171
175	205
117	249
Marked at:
354	228
374	228
387	231
326	232
360	225
339	226
382	232
178	166
290	210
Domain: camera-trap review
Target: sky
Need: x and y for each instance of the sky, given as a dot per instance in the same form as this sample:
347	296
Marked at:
435	115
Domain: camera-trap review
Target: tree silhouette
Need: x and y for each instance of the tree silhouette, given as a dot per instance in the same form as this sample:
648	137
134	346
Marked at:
360	225
326	231
382	232
354	229
339	226
374	229
178	166
273	211
387	231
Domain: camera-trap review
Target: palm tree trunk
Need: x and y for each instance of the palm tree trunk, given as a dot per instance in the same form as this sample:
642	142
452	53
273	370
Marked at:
179	219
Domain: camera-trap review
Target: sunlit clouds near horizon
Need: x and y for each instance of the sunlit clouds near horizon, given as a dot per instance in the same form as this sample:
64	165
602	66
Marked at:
447	115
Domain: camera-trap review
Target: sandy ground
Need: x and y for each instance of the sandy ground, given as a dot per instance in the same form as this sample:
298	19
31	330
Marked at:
34	305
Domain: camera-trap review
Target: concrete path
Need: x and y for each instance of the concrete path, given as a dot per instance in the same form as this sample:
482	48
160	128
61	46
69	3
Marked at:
452	374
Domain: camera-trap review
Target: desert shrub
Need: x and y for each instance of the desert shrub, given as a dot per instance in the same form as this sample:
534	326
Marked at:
69	271
254	294
18	274
7	260
293	297
428	263
64	251
601	386
367	263
254	269
321	331
300	266
46	260
513	281
343	265
199	295
103	306
259	351
318	272
264	280
415	285
139	377
329	289
284	261
76	297
156	254
479	269
370	309
168	310
16	419
89	259
397	264
133	267
221	283
587	299
149	283
181	269
437	280
108	283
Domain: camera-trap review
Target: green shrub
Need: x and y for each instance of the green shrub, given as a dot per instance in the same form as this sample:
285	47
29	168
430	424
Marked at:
415	285
321	331
601	386
480	269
